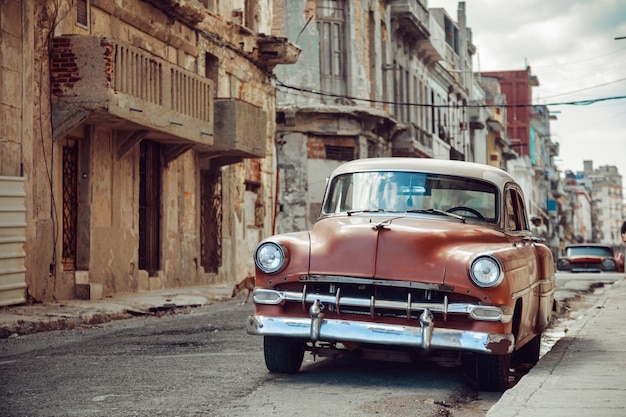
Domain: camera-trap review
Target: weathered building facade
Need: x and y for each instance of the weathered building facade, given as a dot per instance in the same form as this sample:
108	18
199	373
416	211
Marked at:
370	82
498	148
330	103
451	83
607	202
142	131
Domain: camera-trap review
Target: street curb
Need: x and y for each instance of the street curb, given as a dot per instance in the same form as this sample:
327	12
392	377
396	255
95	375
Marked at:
28	319
30	326
518	399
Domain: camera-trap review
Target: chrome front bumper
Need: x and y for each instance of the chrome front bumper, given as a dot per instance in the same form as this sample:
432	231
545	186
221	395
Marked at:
425	336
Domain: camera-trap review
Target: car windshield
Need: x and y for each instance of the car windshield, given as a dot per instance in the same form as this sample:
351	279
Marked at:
396	191
589	251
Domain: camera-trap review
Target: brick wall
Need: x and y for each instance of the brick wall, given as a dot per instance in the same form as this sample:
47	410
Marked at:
63	68
316	146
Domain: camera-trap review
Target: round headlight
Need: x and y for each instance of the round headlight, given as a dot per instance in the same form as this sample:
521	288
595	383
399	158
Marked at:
563	264
486	271
608	264
270	257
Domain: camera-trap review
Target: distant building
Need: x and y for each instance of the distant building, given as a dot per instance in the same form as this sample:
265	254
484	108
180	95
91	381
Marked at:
517	86
576	212
498	144
606	191
375	78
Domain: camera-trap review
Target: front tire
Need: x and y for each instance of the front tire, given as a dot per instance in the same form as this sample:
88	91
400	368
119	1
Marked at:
492	372
529	353
283	355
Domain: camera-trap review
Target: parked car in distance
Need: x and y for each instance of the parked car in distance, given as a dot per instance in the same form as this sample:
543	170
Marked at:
590	258
409	258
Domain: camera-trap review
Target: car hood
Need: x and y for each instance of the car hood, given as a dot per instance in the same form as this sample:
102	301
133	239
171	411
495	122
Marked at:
406	248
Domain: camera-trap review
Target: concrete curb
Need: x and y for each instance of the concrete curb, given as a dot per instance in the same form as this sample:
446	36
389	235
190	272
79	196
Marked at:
521	401
76	314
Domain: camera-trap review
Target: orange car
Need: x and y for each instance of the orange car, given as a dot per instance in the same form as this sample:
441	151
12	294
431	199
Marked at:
409	257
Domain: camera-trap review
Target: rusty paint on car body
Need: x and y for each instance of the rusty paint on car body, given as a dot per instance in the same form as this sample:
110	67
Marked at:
413	255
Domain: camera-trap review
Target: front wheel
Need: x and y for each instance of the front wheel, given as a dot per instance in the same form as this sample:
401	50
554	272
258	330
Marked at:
492	372
283	355
529	353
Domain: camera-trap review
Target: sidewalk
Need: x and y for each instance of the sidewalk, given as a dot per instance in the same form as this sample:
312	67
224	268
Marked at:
76	314
583	374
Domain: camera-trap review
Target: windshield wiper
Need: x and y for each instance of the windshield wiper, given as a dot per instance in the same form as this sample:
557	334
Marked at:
351	212
436	211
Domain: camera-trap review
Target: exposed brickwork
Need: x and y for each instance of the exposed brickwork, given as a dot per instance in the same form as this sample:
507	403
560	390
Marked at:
316	146
108	58
63	68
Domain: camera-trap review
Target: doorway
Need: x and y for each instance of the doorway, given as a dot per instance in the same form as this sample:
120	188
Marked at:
150	177
70	203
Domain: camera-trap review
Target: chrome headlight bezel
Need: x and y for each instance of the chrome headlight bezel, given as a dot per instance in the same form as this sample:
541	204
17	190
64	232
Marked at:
486	271
563	264
608	264
271	257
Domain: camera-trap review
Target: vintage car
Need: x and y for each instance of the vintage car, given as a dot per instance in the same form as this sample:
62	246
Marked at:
589	258
409	258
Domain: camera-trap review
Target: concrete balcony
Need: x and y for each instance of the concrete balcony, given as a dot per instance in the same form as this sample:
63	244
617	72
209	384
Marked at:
411	17
413	142
101	80
240	132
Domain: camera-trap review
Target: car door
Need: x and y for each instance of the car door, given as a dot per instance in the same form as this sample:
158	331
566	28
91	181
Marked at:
518	229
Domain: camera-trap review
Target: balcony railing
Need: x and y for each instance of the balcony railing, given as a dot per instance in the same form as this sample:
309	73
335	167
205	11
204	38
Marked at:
412	16
101	77
413	142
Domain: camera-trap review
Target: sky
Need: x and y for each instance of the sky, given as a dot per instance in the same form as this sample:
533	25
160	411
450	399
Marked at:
570	46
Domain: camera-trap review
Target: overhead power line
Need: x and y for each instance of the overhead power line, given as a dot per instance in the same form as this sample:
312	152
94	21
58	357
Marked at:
585	89
345	97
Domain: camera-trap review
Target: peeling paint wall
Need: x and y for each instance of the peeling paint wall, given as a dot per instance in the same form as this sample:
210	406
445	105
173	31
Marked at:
108	184
316	133
292	183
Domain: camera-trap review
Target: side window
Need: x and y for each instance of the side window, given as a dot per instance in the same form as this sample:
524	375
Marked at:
521	212
515	211
511	219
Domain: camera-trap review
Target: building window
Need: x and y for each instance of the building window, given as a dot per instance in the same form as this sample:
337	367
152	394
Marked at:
331	27
252	15
452	35
211	70
211	5
82	12
339	153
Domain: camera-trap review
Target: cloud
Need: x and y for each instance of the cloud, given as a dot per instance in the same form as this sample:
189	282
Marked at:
570	46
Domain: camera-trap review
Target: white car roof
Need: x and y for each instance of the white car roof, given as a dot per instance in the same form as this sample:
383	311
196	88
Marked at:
489	173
